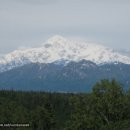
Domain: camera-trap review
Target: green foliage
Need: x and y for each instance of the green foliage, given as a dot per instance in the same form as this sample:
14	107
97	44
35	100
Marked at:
107	107
108	97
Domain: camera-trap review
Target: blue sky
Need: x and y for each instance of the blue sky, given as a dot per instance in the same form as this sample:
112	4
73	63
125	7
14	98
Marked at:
31	22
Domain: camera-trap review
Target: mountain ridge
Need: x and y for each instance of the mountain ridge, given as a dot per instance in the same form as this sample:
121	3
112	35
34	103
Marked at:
74	77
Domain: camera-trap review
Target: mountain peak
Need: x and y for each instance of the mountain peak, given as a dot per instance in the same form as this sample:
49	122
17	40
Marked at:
57	39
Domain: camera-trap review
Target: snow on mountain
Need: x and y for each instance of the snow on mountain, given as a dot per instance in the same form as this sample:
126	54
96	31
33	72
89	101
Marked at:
58	49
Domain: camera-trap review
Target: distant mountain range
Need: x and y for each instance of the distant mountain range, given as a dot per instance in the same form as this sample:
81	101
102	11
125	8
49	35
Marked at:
62	65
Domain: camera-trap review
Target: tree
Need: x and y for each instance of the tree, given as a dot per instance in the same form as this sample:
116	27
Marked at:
42	119
108	99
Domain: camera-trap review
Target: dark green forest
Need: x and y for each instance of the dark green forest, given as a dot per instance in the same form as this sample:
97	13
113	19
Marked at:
106	107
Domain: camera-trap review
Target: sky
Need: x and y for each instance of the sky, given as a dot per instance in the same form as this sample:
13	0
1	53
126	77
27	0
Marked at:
29	23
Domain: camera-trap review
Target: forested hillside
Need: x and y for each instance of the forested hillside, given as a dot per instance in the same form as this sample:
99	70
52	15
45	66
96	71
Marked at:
107	107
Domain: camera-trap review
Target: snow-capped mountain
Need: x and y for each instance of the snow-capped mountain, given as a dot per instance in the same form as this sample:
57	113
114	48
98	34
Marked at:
62	65
60	50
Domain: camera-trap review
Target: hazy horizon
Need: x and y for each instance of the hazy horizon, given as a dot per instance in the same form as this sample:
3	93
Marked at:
30	23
